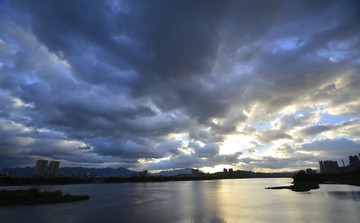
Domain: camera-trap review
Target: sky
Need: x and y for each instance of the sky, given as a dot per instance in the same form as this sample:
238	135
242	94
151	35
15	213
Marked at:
157	85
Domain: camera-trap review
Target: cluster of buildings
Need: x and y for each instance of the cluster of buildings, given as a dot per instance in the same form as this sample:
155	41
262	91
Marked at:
231	173
141	174
42	169
329	166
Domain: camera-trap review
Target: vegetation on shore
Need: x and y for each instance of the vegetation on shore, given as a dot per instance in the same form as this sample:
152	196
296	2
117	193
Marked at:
34	197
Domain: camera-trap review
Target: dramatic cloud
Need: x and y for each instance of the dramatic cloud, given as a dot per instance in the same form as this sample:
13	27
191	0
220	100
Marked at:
261	85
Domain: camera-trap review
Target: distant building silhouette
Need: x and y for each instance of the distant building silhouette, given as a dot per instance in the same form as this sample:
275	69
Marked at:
41	167
141	174
145	173
195	172
53	167
328	166
333	167
354	163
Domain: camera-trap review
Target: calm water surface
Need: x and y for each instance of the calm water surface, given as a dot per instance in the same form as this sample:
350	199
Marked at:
229	200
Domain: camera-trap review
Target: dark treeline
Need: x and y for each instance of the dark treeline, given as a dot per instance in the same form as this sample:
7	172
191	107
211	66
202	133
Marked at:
34	197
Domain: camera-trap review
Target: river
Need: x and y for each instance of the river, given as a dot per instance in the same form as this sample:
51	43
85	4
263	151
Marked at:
227	200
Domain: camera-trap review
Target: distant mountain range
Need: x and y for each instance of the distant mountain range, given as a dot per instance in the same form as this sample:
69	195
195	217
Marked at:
173	172
68	171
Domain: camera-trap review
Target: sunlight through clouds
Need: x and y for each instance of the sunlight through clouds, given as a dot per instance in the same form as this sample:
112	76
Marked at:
179	84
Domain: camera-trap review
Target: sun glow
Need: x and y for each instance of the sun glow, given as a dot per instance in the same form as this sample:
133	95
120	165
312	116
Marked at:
236	143
217	168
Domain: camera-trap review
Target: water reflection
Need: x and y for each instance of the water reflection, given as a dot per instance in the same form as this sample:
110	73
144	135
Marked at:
176	202
352	195
231	200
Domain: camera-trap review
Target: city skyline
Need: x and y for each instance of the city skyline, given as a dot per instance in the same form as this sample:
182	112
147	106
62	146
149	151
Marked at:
265	86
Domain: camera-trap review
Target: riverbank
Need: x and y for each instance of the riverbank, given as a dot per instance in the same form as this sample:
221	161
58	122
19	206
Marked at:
34	197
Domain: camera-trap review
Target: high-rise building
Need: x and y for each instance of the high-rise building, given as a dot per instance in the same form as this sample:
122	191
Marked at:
328	166
41	167
53	166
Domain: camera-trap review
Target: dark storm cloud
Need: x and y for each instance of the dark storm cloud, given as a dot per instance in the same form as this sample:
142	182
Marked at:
346	128
133	80
164	38
208	150
315	129
300	161
272	135
133	147
193	160
333	148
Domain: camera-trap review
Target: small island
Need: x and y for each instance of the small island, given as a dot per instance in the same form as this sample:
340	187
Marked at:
300	187
34	197
305	182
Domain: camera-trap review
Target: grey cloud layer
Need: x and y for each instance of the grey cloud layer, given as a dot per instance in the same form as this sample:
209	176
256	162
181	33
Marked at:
129	82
